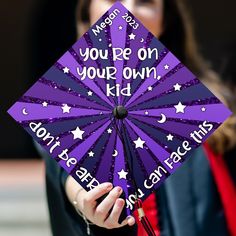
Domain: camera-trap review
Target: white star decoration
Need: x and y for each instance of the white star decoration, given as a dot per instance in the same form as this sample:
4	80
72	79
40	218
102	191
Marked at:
66	70
78	133
150	88
120	27
170	137
65	108
91	154
177	87
132	36
166	67
180	108
109	131
90	93
139	143
203	109
122	174
146	113
45	104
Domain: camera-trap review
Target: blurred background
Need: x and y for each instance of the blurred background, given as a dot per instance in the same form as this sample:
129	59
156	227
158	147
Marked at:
33	35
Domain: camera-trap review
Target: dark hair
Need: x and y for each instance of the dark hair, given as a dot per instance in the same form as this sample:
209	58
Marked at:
178	37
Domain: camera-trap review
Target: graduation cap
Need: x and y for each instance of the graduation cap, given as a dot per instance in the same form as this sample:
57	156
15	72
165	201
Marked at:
119	107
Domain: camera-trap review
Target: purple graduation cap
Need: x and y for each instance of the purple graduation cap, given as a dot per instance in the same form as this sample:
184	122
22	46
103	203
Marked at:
118	106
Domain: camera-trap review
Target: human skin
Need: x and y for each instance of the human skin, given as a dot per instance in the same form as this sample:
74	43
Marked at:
150	13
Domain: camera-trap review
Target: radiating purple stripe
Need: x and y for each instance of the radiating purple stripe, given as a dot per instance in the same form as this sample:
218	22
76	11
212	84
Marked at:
95	127
68	141
99	84
214	113
92	42
119	165
166	84
69	61
104	165
170	60
190	122
189	97
37	112
56	77
142	154
52	94
85	146
118	40
134	62
139	170
169	126
67	137
81	43
156	149
107	33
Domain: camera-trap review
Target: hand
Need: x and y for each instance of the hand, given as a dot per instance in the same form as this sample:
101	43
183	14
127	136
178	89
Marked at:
99	214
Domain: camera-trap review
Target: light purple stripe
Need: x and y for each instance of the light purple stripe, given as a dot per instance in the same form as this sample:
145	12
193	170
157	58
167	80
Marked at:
85	146
118	38
170	60
156	149
181	129
184	76
119	165
214	112
38	112
57	95
68	61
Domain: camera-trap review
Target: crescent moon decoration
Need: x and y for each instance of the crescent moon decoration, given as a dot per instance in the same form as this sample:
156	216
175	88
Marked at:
24	112
115	154
142	40
163	119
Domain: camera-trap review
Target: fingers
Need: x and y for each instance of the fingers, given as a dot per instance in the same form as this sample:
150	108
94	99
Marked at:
131	220
89	200
98	192
109	201
107	213
112	220
102	210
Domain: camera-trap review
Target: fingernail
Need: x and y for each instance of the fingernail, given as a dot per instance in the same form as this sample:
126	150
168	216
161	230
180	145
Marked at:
109	186
120	203
130	220
118	189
